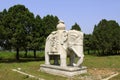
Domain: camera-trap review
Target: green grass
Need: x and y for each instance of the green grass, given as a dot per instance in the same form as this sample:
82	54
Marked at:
6	55
32	67
29	65
110	62
30	54
102	62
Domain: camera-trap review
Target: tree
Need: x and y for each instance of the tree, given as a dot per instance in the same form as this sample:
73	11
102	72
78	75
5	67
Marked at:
105	36
3	34
37	35
49	23
18	22
76	27
87	43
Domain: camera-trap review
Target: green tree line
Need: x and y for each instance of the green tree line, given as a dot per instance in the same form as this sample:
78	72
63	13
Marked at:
20	29
105	39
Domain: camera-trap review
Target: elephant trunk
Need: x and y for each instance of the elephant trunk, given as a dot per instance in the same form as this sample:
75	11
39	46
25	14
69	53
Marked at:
78	50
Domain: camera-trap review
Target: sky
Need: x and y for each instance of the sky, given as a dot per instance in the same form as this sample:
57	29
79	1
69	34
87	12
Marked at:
86	13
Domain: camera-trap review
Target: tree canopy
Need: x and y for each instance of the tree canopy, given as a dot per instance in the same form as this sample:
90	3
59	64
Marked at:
106	37
20	29
76	27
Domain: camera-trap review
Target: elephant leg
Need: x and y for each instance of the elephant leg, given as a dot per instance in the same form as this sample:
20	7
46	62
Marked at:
56	60
72	58
63	56
63	60
79	54
47	59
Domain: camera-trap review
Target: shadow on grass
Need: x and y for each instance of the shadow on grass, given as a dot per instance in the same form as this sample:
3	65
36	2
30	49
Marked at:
21	60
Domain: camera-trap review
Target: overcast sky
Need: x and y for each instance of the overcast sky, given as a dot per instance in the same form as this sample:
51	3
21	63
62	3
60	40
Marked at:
86	13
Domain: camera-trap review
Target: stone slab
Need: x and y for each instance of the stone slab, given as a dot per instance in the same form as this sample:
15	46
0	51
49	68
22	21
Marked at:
67	71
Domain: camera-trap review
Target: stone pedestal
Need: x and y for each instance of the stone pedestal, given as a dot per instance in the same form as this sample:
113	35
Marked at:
67	71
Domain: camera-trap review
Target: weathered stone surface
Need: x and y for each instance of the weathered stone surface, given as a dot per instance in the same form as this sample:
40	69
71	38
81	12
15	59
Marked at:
63	43
67	71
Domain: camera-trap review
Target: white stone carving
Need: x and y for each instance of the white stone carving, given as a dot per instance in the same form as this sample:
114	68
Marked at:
63	43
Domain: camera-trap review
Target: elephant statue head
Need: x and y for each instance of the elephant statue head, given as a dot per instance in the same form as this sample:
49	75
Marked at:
75	44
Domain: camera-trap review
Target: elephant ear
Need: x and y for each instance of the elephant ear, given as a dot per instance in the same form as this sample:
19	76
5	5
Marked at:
74	37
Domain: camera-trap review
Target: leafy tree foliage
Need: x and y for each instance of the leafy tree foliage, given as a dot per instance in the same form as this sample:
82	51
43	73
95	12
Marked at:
106	37
37	35
18	23
87	42
3	35
76	27
20	29
49	23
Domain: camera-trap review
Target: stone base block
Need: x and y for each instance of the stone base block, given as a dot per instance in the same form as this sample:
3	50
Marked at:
68	71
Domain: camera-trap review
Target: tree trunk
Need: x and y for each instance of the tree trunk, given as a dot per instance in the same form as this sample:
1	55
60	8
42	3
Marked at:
88	51
34	53
98	53
17	54
94	52
102	52
26	51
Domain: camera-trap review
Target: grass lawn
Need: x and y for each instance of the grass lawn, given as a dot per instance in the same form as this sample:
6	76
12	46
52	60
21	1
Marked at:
95	64
104	64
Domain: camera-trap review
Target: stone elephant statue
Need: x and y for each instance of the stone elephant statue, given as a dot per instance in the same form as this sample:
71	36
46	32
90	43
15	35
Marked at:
64	43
